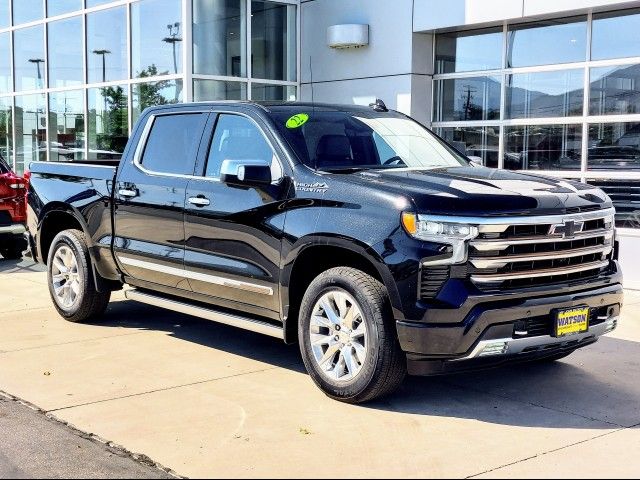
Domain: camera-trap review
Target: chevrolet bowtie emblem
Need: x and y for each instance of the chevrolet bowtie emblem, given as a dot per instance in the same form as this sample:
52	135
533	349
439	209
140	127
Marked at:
567	229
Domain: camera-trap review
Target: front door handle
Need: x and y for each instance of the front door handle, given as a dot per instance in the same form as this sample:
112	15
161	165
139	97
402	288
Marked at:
199	201
127	192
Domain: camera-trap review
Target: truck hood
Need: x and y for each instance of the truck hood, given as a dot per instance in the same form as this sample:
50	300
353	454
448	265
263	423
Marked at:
479	191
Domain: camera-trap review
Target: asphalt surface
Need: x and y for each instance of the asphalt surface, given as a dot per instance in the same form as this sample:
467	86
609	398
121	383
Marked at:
33	445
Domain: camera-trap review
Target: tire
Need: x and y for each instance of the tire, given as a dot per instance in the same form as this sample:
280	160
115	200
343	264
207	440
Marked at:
12	252
79	301
377	365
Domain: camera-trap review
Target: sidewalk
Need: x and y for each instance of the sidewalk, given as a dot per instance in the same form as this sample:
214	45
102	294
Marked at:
209	400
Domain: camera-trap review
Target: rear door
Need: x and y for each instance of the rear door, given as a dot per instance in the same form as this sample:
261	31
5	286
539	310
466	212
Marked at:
150	199
233	234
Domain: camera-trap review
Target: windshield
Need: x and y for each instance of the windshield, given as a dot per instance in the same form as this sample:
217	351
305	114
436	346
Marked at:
334	140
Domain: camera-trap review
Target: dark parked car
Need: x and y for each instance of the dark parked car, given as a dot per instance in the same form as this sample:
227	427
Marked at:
13	212
353	231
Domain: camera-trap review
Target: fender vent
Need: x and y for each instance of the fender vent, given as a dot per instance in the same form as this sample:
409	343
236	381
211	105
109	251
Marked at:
432	279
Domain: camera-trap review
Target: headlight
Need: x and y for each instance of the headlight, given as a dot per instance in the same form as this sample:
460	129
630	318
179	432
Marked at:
423	228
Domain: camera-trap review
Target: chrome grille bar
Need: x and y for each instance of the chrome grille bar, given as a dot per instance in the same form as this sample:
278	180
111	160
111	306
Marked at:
547	272
501	244
498	262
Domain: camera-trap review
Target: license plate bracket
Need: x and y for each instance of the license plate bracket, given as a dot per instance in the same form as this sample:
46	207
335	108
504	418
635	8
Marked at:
571	321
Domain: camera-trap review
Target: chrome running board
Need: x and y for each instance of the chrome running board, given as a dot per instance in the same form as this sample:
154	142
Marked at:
206	313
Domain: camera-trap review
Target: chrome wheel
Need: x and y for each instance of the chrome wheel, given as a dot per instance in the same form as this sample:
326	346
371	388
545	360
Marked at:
338	334
65	277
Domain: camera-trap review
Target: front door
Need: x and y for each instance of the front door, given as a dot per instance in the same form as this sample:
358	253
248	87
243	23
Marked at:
233	234
150	196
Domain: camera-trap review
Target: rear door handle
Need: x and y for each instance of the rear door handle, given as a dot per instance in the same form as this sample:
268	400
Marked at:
127	193
199	201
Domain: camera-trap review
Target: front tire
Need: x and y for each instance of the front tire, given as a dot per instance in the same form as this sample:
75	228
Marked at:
70	279
347	336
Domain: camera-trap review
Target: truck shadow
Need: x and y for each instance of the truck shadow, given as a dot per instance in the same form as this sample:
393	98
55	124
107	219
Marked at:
24	265
595	388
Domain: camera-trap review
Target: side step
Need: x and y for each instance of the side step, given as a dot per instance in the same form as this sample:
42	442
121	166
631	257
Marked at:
206	313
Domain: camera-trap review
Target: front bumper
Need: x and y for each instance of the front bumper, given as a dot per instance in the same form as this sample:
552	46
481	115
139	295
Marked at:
490	332
13	234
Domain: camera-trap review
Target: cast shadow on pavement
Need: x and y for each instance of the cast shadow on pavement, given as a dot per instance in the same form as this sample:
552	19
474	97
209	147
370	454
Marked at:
593	388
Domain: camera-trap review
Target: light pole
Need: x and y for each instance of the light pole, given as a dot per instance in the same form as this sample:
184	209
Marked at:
173	39
38	61
104	53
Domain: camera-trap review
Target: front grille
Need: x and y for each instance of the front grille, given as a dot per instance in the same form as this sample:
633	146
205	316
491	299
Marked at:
541	251
432	279
5	218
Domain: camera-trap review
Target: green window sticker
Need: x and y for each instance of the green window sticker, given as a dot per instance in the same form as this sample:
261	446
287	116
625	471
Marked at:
297	120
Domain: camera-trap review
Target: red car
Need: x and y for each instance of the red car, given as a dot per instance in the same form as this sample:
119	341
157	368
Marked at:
13	212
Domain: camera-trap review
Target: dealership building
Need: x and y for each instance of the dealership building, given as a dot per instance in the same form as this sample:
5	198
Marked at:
547	86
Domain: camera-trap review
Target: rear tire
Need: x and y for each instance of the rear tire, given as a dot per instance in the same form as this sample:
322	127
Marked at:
70	278
12	252
352	353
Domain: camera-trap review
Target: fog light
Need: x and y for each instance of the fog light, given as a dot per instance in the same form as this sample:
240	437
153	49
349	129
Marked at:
611	325
497	348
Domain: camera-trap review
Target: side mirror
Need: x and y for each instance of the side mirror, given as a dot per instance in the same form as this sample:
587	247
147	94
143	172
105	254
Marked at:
247	173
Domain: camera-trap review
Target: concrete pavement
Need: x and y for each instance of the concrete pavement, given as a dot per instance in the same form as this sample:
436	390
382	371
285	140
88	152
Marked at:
209	400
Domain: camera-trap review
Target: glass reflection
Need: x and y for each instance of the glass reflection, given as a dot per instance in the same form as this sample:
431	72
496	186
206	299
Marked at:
30	130
623	193
66	126
615	90
545	94
4	14
265	93
614	146
544	43
480	143
58	7
543	147
29	59
6	130
273	40
204	90
27	11
5	64
615	36
108	122
107	47
476	98
463	52
65	53
156	37
151	94
219	37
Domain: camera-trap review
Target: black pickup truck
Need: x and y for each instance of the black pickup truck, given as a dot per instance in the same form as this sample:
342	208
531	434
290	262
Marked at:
353	231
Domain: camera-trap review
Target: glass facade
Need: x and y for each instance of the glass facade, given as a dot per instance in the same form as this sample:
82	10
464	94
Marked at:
560	96
84	70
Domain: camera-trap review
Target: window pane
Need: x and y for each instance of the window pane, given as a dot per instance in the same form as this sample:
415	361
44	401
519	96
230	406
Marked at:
31	130
476	98
155	93
480	142
217	90
156	37
27	11
463	52
173	143
5	64
66	126
28	47
65	53
58	7
543	147
4	14
108	122
273	40
614	146
219	37
95	3
624	194
107	47
615	36
6	130
545	94
547	42
272	92
615	90
236	138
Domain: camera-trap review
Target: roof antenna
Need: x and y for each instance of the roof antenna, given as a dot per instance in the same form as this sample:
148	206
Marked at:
379	106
